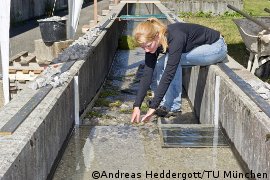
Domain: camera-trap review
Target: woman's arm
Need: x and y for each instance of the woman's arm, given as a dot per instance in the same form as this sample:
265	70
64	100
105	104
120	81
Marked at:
146	79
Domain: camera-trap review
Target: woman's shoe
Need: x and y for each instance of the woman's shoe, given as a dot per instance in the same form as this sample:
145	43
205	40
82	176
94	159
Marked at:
174	113
161	111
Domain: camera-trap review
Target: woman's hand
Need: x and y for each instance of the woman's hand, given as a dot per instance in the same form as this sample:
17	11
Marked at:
136	115
148	115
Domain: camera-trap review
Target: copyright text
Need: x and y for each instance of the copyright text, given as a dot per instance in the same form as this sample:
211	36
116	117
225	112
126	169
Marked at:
205	174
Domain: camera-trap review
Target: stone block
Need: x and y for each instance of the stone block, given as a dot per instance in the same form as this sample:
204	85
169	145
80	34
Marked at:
216	7
46	52
85	28
92	23
105	12
111	6
99	18
26	60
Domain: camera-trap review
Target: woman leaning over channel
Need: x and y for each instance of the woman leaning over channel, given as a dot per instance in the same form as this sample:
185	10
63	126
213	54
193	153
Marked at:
185	44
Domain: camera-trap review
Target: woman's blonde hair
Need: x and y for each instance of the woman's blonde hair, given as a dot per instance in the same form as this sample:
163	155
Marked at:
146	32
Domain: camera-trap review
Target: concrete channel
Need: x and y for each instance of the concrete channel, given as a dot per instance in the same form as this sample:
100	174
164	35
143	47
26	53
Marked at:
47	145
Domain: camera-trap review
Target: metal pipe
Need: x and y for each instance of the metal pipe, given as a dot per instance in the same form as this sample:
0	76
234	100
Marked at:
53	8
1	72
127	8
4	40
249	17
267	10
95	12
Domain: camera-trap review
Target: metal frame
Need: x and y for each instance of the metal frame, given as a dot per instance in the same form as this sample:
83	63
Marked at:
141	17
1	71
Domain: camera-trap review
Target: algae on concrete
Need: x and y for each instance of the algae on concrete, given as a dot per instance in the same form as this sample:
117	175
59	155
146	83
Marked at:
127	43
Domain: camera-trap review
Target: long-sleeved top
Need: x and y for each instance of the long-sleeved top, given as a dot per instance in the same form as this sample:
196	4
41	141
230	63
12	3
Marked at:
181	38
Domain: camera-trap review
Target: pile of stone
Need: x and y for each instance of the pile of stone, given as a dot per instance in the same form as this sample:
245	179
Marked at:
78	50
51	76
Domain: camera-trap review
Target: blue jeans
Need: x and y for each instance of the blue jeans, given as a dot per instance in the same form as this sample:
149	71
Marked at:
203	55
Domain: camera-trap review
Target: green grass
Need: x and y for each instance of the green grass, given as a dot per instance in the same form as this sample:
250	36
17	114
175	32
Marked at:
256	7
93	114
126	111
117	103
102	102
144	107
126	43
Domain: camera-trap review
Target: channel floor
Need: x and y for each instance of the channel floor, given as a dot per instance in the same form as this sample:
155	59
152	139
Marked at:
109	146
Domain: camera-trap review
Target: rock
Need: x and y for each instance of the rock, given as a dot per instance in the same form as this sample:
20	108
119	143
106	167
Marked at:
56	78
262	90
74	56
124	106
264	96
41	82
64	57
50	71
64	77
82	55
48	80
55	84
33	85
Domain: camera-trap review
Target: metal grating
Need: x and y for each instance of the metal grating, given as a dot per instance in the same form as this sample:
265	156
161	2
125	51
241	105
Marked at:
195	136
142	17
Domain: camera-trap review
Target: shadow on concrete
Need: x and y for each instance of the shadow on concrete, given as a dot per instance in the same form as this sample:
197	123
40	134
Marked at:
200	86
239	53
201	82
183	118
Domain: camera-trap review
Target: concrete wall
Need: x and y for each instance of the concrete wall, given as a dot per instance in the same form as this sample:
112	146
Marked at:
246	125
26	9
199	82
214	6
94	70
29	153
152	9
31	150
2	101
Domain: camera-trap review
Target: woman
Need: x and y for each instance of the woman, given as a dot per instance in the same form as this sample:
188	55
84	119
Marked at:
185	44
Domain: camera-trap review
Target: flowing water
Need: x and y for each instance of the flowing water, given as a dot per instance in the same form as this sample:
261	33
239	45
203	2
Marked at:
108	146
